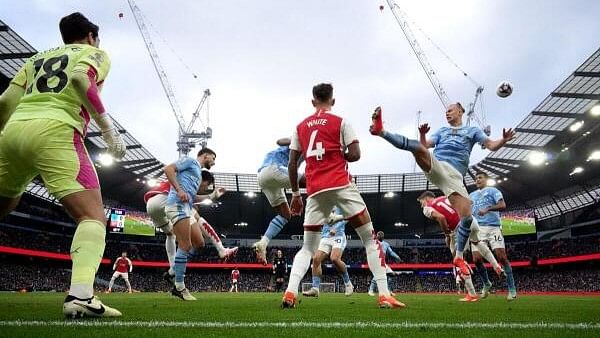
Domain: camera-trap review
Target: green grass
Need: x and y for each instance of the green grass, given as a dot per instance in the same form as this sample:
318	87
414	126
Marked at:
512	227
133	227
264	307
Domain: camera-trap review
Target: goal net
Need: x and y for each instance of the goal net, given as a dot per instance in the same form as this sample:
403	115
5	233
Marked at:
325	287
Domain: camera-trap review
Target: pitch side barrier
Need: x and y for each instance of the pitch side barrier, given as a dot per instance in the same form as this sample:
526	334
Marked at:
256	266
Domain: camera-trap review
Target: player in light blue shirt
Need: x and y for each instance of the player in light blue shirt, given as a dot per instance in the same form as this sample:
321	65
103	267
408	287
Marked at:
389	252
185	177
487	201
332	245
273	179
446	168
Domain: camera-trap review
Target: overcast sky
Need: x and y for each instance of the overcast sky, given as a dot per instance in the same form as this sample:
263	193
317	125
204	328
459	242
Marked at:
260	59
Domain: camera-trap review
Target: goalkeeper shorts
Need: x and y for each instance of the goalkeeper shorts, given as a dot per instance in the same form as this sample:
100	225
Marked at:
49	148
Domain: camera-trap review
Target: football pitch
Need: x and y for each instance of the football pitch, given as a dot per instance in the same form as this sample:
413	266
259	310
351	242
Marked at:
515	227
331	315
134	227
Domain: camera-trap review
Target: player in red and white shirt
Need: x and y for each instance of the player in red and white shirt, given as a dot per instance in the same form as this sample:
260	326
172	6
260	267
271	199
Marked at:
235	277
122	267
156	199
440	210
327	143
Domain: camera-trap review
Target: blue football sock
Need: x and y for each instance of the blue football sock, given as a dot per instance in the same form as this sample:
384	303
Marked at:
389	281
179	265
510	281
482	272
316	282
346	277
276	225
400	141
463	232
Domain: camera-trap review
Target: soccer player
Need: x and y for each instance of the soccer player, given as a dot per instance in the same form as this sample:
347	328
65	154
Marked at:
235	277
487	201
44	114
388	251
156	199
280	269
185	177
272	180
327	143
332	245
446	168
122	268
440	210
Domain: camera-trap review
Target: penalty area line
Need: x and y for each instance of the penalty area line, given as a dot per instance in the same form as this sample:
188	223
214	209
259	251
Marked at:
318	325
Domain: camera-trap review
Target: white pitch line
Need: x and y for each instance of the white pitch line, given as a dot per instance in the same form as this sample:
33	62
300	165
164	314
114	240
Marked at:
318	325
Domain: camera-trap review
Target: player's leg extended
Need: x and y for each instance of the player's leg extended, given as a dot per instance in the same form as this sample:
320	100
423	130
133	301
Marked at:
372	287
112	281
481	272
463	205
126	278
179	214
302	259
317	272
336	259
275	226
483	248
211	236
421	154
155	207
68	173
510	281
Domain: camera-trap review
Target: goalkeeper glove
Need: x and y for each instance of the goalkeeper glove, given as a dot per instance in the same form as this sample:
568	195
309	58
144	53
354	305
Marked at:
112	137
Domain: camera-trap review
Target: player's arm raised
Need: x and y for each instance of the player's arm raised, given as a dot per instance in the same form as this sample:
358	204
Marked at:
423	130
493	145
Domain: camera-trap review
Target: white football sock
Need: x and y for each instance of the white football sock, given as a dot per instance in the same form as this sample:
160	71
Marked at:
171	248
211	235
374	254
486	253
469	286
302	259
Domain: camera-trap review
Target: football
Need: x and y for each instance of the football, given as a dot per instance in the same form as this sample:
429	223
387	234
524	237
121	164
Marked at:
504	89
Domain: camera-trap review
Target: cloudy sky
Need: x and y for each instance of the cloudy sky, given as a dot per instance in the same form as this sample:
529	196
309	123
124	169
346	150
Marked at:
260	59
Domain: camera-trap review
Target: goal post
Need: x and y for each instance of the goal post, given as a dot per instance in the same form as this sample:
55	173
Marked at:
325	287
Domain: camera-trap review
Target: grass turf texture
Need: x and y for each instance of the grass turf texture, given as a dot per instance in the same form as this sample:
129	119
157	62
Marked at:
261	308
135	227
513	227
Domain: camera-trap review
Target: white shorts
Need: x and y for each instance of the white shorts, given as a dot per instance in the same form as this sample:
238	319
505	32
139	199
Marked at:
156	210
447	178
272	181
319	206
327	244
492	236
234	281
117	274
177	212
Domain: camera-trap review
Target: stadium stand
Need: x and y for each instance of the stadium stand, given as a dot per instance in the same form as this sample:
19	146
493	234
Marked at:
567	212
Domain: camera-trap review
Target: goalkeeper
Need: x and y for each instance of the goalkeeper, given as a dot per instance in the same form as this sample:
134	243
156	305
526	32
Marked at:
332	245
44	114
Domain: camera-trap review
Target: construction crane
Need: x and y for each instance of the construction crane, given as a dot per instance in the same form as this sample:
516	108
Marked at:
188	138
402	20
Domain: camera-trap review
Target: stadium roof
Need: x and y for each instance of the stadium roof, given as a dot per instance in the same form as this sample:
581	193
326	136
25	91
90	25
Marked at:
123	181
552	189
13	51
